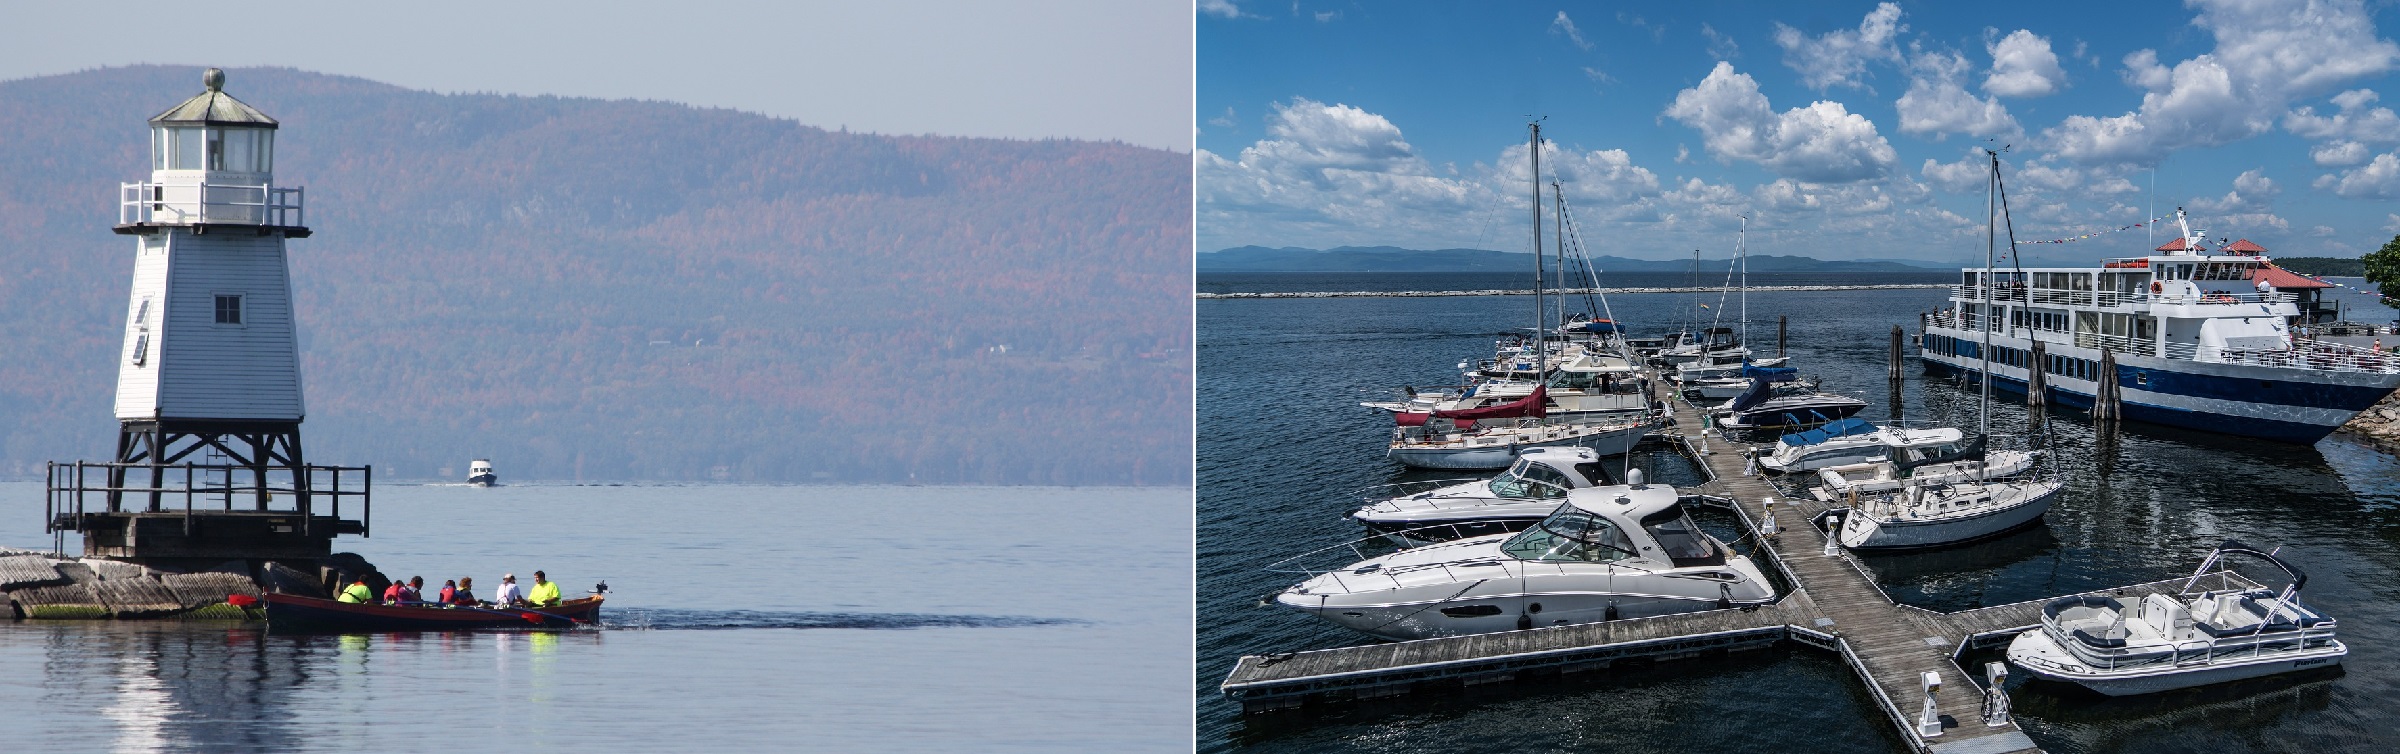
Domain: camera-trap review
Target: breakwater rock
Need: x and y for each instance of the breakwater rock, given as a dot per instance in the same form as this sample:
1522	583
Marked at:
1562	291
39	585
2379	425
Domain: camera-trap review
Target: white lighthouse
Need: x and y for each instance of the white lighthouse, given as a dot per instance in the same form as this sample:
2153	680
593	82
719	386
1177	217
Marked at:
208	399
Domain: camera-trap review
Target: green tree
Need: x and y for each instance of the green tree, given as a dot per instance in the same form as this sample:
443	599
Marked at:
2383	267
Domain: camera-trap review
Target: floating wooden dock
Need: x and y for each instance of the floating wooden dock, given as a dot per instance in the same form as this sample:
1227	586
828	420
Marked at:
1833	605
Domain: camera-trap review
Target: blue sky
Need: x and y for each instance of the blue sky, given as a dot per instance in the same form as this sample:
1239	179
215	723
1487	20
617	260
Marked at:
1843	130
1085	69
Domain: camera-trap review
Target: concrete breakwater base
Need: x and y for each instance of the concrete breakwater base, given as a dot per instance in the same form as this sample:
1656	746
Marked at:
36	585
1564	291
1833	604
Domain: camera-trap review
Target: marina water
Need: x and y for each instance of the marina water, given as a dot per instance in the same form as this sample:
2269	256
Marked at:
1282	442
744	618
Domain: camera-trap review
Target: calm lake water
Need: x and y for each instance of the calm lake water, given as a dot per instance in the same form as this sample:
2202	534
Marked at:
747	618
1281	442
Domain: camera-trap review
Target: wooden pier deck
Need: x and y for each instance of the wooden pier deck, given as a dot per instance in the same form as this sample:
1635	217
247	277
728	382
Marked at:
1834	605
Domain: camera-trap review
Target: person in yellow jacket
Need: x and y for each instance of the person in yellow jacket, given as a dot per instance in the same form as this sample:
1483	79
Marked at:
357	592
544	593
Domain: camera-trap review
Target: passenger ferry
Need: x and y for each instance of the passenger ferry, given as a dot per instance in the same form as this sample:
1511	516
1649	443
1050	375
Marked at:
2200	340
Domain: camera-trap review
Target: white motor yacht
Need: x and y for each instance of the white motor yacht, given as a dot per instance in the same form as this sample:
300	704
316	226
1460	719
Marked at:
1518	497
2122	646
1615	552
1494	444
1776	400
1939	463
479	473
1845	442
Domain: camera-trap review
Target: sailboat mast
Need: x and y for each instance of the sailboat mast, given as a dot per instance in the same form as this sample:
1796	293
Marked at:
1991	223
1559	234
1741	244
1541	337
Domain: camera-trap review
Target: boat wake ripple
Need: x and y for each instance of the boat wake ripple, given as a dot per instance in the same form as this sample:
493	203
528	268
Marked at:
646	619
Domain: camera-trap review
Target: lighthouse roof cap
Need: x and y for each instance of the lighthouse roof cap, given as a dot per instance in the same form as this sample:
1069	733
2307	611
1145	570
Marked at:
214	108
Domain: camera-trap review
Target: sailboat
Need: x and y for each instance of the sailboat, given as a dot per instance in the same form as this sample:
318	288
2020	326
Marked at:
1491	436
1942	510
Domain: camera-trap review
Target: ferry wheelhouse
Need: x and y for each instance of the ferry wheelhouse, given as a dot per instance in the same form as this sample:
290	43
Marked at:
2199	340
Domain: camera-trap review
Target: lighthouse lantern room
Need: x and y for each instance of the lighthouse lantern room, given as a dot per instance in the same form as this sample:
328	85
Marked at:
208	462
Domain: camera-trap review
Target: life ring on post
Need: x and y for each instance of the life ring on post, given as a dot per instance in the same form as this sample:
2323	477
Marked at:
2155	287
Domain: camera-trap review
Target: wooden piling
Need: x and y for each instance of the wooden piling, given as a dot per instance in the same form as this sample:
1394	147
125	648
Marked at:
1895	372
2037	377
1783	325
2106	408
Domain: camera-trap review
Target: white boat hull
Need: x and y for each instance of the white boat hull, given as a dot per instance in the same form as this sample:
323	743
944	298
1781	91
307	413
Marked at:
1865	532
1498	453
2040	656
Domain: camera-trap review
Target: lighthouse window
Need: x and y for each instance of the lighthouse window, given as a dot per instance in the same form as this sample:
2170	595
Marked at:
245	150
216	149
141	349
183	148
229	310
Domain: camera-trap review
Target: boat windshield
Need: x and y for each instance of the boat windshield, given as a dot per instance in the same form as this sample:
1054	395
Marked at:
1531	481
1570	535
1679	537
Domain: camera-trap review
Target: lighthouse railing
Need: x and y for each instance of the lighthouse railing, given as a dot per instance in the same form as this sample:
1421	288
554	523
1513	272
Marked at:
200	202
136	487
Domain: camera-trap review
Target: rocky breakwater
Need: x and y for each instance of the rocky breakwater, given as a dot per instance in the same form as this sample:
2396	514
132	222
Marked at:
36	585
2379	425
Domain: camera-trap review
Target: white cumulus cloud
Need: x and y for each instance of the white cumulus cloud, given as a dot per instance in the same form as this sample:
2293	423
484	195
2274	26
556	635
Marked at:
2023	66
1822	142
1938	104
2267	55
1841	56
1565	25
2378	179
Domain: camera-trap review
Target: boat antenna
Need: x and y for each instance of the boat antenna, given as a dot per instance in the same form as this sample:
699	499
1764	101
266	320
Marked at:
1541	335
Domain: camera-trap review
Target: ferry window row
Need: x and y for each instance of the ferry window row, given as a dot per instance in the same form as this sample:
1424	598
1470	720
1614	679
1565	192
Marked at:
2082	369
2039	320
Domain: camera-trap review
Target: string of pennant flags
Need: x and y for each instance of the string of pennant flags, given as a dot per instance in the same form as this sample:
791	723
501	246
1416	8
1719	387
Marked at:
2098	233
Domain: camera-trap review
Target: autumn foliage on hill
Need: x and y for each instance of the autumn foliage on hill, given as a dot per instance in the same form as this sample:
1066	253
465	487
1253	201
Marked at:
604	290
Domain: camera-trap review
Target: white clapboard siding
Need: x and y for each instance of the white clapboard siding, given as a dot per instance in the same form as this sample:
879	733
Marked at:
210	371
137	384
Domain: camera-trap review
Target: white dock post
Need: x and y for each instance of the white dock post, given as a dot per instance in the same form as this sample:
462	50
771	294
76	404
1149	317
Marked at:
1929	723
1767	529
1833	534
1995	695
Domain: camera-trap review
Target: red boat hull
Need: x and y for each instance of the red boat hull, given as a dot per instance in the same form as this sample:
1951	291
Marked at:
295	612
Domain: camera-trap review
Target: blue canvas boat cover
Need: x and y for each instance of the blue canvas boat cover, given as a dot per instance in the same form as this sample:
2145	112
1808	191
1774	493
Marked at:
1770	374
1843	428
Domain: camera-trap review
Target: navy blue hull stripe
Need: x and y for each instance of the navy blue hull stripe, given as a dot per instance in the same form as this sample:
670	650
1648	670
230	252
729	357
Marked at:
2174	417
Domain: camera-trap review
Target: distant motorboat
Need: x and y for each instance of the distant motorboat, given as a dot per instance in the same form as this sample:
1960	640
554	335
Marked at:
479	473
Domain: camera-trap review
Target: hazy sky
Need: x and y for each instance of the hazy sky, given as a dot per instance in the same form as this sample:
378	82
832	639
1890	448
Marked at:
1088	69
1841	129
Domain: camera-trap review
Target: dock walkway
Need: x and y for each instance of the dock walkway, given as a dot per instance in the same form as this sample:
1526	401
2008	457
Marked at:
1834	605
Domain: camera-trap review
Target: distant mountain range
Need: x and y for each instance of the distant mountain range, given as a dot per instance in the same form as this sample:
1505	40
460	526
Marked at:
631	290
1395	259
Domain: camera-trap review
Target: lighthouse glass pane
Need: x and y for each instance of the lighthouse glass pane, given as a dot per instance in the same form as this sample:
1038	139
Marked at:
158	149
216	149
183	149
241	150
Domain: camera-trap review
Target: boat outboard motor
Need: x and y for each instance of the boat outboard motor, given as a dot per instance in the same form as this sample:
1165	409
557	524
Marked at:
600	588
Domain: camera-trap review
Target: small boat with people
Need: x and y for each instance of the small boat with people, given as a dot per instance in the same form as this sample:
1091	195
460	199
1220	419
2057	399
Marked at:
1606	553
1525	493
2124	646
304	613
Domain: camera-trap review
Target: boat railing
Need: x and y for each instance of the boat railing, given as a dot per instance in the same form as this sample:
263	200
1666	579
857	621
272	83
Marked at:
2014	294
1327	561
1376	493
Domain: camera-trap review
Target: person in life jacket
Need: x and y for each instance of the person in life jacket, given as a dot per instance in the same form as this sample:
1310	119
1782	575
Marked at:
395	593
449	593
466	591
357	592
545	591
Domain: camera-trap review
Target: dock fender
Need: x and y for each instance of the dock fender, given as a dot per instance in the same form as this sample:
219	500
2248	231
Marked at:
1724	596
1611	613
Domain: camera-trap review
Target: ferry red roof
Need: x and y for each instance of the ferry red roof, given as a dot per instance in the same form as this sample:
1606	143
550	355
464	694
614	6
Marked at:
2244	246
2285	280
2175	245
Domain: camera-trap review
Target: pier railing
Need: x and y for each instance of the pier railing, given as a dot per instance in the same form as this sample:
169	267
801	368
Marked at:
201	489
200	202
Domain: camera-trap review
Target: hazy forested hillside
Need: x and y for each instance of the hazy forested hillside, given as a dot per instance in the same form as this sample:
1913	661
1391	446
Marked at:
599	290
